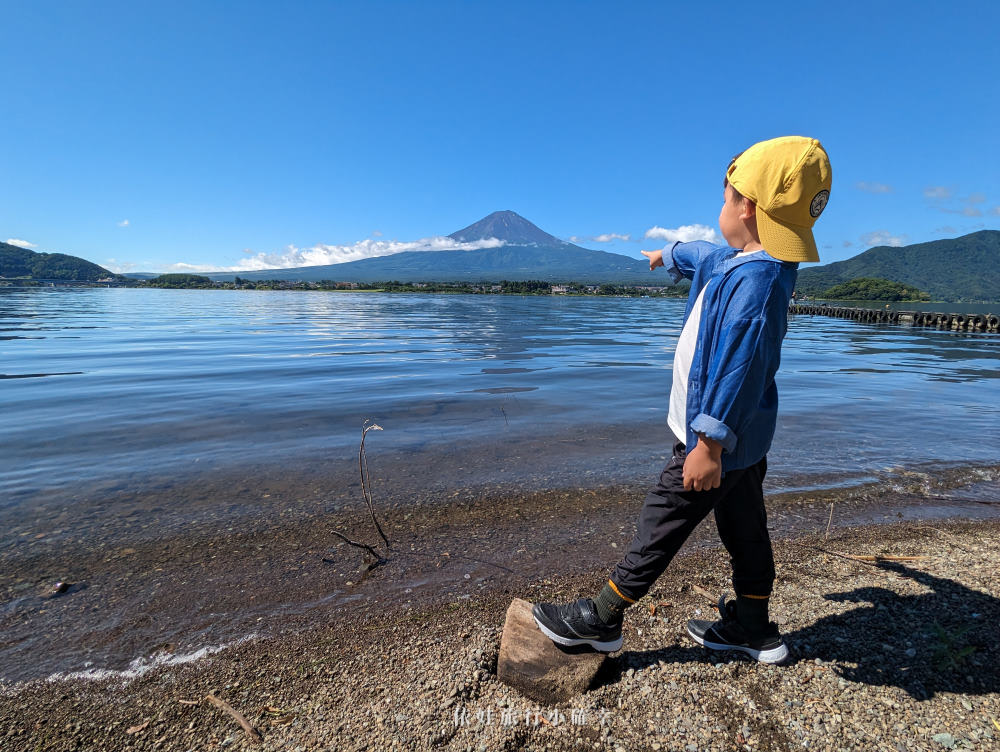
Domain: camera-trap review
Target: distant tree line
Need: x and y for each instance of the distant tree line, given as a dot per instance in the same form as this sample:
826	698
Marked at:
504	287
874	288
181	281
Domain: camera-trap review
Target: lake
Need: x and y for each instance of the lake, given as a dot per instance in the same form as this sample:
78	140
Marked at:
123	384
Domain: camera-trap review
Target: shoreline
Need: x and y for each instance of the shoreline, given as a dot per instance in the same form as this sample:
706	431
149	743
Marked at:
143	583
377	678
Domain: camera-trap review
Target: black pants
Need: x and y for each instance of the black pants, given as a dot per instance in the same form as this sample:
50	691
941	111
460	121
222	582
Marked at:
670	514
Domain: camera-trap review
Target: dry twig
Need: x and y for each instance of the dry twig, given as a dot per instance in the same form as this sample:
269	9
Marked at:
701	591
364	546
876	559
879	557
252	734
366	490
366	481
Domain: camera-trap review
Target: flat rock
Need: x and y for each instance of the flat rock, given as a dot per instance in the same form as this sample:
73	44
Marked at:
539	668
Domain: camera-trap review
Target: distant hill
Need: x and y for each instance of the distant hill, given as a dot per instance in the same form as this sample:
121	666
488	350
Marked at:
528	253
965	269
20	262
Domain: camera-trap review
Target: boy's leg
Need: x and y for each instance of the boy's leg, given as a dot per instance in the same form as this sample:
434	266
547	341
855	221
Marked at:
743	625
742	523
668	516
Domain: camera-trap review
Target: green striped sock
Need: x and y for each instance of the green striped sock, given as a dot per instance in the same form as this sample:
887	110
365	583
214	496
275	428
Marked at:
611	604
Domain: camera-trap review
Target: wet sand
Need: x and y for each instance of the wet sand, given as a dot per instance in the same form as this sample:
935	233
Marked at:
260	557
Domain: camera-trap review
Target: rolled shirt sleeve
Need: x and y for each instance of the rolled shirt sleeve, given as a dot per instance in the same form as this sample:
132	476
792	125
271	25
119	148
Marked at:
740	372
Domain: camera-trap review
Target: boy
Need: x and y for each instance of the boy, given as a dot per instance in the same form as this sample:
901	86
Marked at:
723	403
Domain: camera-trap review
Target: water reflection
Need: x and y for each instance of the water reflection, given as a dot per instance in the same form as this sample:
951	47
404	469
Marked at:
164	378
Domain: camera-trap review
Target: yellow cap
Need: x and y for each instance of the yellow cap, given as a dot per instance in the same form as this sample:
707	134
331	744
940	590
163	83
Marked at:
789	179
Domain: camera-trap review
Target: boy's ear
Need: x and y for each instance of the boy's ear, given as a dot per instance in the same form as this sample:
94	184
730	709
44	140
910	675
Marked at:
748	210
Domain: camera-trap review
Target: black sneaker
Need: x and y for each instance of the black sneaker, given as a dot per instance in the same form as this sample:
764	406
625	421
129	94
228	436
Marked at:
728	634
577	623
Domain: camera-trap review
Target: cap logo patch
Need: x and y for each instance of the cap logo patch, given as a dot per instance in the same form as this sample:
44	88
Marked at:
819	203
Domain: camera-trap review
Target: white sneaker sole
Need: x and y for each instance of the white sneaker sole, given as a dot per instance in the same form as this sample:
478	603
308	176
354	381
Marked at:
602	647
774	655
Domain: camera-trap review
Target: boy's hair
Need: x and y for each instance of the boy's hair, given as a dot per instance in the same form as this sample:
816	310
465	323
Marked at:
725	181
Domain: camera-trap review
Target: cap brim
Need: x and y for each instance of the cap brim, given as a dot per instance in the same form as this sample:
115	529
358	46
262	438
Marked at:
784	241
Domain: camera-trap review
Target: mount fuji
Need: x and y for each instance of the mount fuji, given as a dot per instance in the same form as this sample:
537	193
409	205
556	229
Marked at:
527	252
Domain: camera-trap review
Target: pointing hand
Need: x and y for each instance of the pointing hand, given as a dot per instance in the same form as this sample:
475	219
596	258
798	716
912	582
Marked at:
655	258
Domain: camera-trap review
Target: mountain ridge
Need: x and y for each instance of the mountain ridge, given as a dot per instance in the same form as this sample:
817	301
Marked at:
961	269
17	262
952	269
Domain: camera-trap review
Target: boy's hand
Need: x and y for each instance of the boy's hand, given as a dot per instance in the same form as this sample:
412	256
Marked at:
655	258
703	465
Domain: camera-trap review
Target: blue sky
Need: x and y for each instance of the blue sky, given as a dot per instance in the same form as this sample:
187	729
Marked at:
160	136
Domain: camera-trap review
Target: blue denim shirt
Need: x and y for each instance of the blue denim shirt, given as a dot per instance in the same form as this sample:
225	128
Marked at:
732	397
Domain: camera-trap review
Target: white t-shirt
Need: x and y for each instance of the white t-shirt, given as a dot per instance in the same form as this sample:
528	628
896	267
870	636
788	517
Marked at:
683	355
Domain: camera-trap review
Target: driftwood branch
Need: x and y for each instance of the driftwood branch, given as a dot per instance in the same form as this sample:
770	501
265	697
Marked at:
701	591
366	481
366	490
865	559
365	546
252	734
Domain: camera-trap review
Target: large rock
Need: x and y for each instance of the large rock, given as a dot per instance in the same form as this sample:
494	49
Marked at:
537	667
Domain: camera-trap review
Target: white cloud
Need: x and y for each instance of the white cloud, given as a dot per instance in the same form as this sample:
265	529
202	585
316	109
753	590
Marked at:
975	198
21	243
123	223
968	211
322	254
945	230
684	233
118	267
882	237
938	192
376	233
606	237
873	187
995	211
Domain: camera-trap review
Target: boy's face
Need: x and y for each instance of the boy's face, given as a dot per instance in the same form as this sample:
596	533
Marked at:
732	226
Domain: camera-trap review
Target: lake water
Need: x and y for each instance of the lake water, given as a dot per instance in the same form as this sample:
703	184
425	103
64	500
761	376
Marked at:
123	384
133	415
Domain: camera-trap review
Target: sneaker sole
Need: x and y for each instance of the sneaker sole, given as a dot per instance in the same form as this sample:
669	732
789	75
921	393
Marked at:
774	655
602	647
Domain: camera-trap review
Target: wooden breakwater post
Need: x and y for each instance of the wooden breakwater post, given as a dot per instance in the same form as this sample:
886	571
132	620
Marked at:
964	322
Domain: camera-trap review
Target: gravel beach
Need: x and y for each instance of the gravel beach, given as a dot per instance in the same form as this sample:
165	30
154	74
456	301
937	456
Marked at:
893	631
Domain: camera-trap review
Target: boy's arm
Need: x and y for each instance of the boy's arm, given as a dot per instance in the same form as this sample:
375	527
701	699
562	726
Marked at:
743	362
680	259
